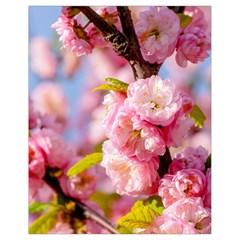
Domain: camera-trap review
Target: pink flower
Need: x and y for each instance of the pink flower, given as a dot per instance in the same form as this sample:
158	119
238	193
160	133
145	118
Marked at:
207	194
198	154
33	115
154	100
61	227
73	36
70	64
187	103
43	60
133	137
96	36
197	16
44	194
35	183
185	183
185	163
49	121
70	11
191	210
193	45
49	98
177	131
113	101
130	176
167	191
157	31
37	166
110	15
57	153
189	182
37	159
168	224
190	157
80	186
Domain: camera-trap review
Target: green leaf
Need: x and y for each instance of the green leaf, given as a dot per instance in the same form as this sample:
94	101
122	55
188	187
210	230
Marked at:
124	229
38	207
185	20
98	147
153	202
115	85
104	200
85	163
44	223
116	82
197	115
140	217
208	162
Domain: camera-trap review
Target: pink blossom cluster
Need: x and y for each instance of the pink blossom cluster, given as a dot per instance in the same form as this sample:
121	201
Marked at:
48	150
139	125
186	195
66	225
82	39
50	99
43	60
185	216
194	42
157	30
160	33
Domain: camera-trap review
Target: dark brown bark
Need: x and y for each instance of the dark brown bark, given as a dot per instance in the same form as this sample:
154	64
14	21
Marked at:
124	44
81	211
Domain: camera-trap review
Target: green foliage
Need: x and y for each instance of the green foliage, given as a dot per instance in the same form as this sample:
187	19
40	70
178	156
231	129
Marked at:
44	223
38	207
104	200
140	217
185	20
124	229
153	202
113	84
85	163
141	214
208	162
197	115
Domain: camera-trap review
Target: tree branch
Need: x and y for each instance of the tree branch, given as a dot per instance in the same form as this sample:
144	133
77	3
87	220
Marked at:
165	161
81	211
124	44
177	9
144	69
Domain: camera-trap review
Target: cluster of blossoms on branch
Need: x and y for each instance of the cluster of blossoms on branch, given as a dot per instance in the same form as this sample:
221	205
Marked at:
140	124
186	195
159	31
144	120
82	39
49	152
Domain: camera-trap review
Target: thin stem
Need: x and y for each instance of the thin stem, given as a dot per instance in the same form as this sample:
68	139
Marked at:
177	9
81	211
165	161
143	68
124	44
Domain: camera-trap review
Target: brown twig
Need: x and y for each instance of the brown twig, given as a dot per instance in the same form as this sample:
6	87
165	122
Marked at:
81	211
124	44
165	161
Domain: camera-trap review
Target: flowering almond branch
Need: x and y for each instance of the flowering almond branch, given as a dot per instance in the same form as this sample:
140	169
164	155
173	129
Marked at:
124	44
81	210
